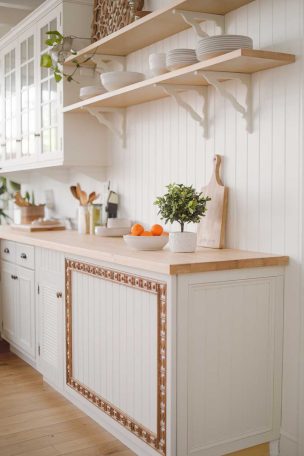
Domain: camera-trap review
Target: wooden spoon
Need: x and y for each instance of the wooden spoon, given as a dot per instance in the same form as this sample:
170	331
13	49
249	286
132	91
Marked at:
92	197
74	191
78	192
83	198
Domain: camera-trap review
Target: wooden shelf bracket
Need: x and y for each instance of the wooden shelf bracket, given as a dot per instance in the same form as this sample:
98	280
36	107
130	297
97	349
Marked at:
100	113
175	90
216	79
108	62
194	19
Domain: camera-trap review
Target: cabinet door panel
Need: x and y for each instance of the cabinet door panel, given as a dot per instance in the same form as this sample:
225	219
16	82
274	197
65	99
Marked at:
25	331
48	96
49	308
28	95
115	345
11	133
50	315
229	365
8	298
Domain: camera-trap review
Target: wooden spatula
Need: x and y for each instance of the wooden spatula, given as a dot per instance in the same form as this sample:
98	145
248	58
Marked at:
211	229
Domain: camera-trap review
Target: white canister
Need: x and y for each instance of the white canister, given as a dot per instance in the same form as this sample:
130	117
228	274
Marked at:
83	220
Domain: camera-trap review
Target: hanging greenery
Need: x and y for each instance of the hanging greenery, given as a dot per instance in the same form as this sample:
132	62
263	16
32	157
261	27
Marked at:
60	48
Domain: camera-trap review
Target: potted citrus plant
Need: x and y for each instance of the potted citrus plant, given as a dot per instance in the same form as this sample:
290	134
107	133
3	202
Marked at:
183	205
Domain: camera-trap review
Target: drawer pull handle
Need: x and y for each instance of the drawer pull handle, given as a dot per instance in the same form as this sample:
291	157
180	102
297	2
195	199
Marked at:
14	277
6	250
23	256
59	294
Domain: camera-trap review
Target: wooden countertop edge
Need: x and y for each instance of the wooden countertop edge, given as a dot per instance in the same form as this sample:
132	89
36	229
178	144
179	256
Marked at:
223	265
149	265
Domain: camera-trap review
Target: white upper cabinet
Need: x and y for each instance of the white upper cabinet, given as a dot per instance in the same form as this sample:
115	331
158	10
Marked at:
33	130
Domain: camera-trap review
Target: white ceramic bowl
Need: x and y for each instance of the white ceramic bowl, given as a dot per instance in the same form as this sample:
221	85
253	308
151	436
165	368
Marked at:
119	223
114	80
91	91
146	242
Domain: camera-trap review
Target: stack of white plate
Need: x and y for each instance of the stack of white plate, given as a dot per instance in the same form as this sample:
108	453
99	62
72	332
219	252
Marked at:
212	46
179	58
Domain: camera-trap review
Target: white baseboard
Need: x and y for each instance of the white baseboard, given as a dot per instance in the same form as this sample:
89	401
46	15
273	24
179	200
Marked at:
20	354
289	446
274	448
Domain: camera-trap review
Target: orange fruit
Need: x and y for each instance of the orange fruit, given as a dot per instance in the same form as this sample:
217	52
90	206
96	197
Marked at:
165	233
157	230
146	233
137	229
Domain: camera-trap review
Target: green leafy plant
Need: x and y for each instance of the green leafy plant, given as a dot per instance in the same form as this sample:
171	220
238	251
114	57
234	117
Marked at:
60	47
182	204
7	191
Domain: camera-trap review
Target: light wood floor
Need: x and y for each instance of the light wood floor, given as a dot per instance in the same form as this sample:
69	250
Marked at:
35	420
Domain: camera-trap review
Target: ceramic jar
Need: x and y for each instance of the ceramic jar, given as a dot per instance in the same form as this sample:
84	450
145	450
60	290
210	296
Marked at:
182	242
83	220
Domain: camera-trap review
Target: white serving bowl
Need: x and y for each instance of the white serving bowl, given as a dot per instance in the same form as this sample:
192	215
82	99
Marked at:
146	242
91	91
114	80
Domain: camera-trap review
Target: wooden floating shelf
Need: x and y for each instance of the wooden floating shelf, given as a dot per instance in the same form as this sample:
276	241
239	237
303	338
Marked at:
244	61
155	27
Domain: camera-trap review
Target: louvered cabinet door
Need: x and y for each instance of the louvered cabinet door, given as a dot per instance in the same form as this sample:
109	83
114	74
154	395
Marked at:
50	315
49	308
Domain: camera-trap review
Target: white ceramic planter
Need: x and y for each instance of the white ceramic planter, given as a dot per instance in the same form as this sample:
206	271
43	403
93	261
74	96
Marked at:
182	242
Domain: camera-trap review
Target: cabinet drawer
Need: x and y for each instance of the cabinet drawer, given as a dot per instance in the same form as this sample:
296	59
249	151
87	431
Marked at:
8	251
25	256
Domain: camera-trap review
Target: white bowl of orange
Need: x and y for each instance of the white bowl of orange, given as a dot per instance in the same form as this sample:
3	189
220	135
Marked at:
140	239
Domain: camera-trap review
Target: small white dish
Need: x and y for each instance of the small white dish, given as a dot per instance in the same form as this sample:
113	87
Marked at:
114	80
146	242
119	223
90	91
111	232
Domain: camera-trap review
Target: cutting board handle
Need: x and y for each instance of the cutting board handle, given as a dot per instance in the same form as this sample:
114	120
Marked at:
217	160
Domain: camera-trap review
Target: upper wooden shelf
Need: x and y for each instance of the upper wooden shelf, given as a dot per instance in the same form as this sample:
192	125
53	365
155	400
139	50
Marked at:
240	61
155	27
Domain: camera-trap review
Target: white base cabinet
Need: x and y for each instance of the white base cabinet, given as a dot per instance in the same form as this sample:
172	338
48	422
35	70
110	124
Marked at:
186	365
18	307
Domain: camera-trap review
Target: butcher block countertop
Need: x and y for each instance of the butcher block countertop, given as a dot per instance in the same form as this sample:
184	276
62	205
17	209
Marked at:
115	251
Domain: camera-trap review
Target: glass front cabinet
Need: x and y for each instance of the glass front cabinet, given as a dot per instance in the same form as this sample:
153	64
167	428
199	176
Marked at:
34	132
29	100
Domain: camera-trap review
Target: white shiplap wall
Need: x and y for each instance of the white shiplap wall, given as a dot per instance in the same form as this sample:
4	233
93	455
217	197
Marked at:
263	170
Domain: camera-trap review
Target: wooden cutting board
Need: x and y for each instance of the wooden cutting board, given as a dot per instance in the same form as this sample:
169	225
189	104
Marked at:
211	229
35	228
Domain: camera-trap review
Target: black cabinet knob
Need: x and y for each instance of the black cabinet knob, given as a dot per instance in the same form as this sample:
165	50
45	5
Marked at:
23	256
6	250
59	294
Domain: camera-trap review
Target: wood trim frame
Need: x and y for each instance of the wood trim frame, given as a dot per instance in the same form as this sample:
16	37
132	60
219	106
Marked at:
156	441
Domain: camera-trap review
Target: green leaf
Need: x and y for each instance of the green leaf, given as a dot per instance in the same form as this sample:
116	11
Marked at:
57	77
55	33
46	61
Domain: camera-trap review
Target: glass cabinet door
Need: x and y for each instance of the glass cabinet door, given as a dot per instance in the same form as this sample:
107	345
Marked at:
28	97
49	101
10	107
